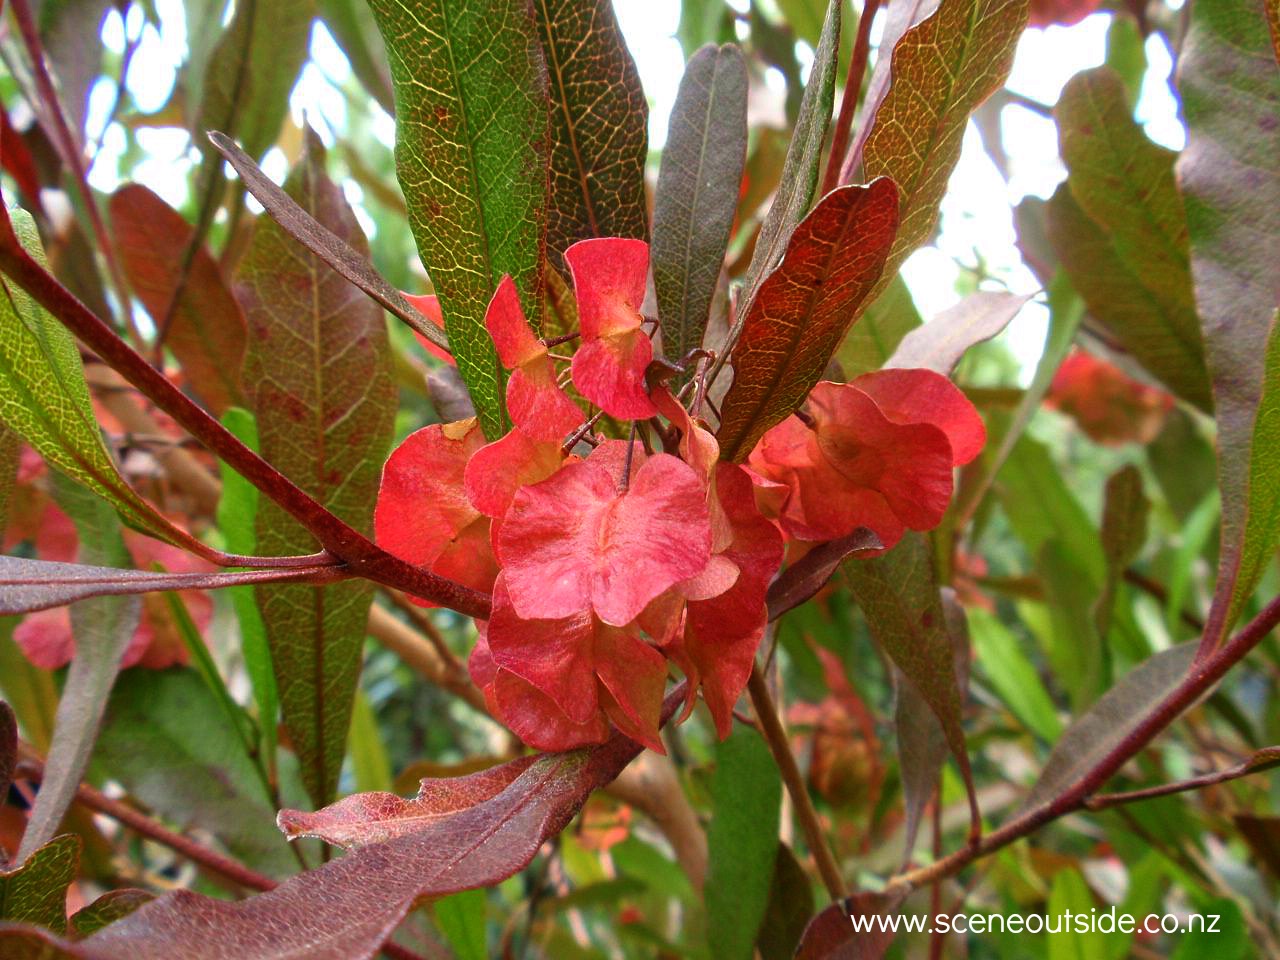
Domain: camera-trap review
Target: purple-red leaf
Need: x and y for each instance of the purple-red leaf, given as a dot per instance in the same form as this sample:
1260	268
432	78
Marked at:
810	573
804	309
831	935
939	344
345	909
206	327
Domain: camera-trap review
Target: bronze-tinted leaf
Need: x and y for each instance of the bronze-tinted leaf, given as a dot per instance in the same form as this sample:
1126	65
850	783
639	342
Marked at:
805	308
942	69
831	934
107	909
8	747
319	374
697	193
599	126
1126	246
1110	719
206	327
1229	175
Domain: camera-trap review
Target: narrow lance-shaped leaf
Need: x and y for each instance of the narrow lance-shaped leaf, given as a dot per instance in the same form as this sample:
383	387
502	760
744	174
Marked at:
207	329
351	23
319	371
898	594
1137	233
940	343
253	68
45	400
805	308
942	69
1109	720
697	193
1229	175
742	842
1124	529
471	155
35	891
599	126
484	832
30	585
800	170
103	628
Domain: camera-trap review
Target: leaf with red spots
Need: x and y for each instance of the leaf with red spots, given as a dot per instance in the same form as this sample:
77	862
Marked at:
318	371
535	401
423	514
206	329
578	542
609	278
804	309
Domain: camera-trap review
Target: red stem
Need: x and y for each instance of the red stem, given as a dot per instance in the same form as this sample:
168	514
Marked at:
849	102
1199	679
338	537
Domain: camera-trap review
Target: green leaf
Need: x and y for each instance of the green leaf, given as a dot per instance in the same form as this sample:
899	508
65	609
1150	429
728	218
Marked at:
1262	518
884	323
1229	175
1115	714
1126	245
1041	507
369	764
1124	531
742	842
472	136
237	516
898	594
103	628
319	372
171	746
800	170
1000	657
45	400
1126	54
28	689
10	448
942	69
36	891
789	910
599	126
1076	653
697	194
106	910
1071	893
804	309
460	918
703	22
251	72
1229	940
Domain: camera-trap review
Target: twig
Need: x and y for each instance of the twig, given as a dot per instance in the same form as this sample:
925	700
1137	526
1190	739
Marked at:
1200	678
849	101
776	737
1260	761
